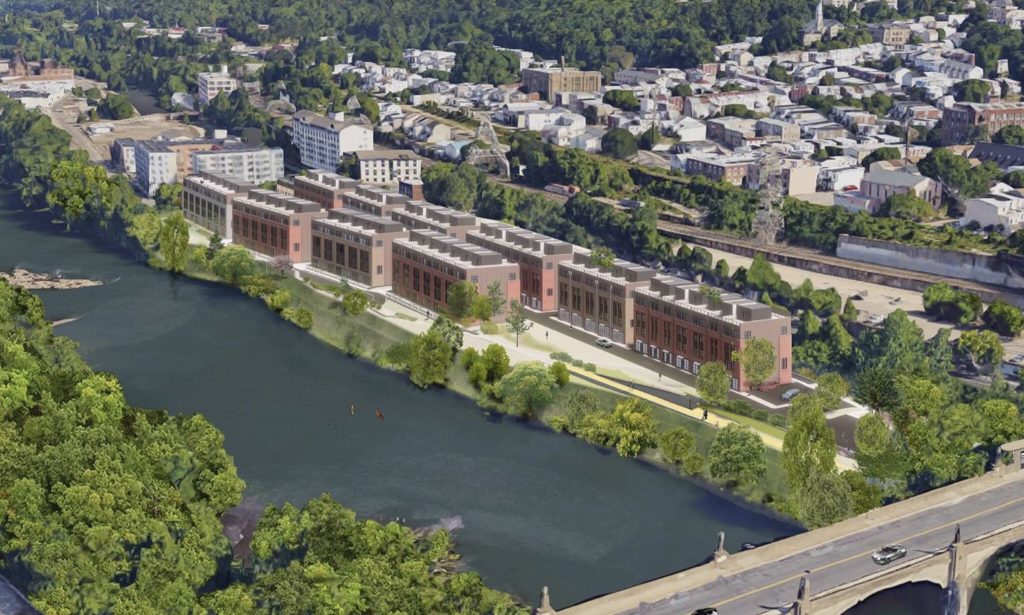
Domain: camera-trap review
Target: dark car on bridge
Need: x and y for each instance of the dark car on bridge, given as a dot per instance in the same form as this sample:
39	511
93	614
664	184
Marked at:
888	554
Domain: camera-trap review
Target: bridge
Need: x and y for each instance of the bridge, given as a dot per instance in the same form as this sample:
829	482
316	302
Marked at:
951	535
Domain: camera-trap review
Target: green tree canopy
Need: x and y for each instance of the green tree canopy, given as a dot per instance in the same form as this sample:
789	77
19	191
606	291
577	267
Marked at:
809	446
619	143
525	390
713	382
758	361
737	455
1003	318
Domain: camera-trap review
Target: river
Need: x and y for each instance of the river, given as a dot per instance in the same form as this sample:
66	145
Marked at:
533	507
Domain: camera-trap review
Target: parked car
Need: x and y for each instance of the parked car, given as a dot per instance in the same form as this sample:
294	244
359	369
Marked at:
706	611
790	394
603	342
888	554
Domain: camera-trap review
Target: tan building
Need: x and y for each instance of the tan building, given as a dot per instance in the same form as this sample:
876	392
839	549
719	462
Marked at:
206	200
892	35
548	82
356	246
600	300
323	188
388	166
427	264
723	168
537	256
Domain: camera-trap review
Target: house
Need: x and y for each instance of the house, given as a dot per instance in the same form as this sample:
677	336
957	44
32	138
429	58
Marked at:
1002	209
878	185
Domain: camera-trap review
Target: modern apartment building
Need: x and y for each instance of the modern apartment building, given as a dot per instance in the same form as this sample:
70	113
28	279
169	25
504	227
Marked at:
374	200
275	224
537	256
253	164
212	84
207	199
678	323
356	245
388	166
427	263
322	141
548	82
323	188
599	299
968	122
155	164
420	215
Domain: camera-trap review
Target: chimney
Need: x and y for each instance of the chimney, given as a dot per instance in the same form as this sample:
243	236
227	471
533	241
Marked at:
223	69
563	64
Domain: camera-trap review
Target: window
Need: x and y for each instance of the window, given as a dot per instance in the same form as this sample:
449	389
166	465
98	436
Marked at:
550	292
549	265
512	277
785	330
295	222
474	279
295	247
747	335
785	362
380	269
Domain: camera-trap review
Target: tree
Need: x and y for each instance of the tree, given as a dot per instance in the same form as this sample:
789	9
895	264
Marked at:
1010	135
355	302
560	373
850	311
679	447
982	348
602	257
826	498
650	137
495	361
881	154
449	331
971	90
960	180
757	360
496	295
429	359
1003	318
481	309
622	99
810	444
876	388
461	297
832	388
77	188
947	303
619	143
479	62
737	455
517	323
215	245
713	382
633	427
174	242
116	107
232	264
528	388
907	207
168	196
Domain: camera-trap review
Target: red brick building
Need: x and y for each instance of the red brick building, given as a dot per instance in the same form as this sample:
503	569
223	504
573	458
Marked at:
275	224
599	299
427	263
679	324
356	245
420	215
969	122
537	256
373	200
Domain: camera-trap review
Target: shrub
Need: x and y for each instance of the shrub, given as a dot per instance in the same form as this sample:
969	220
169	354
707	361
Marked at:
560	373
590	367
489	328
468	357
564	357
298	316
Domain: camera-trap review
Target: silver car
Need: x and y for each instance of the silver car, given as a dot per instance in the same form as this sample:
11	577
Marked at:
888	554
603	342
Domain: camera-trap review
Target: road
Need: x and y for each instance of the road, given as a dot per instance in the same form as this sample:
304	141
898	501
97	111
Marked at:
78	138
770	585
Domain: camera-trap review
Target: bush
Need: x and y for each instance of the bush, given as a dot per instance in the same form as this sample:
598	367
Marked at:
298	316
560	373
577	363
489	328
590	367
778	420
564	357
468	357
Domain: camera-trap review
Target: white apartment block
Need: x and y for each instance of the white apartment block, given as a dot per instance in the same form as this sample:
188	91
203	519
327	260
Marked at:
212	84
155	164
388	166
252	164
1003	208
322	141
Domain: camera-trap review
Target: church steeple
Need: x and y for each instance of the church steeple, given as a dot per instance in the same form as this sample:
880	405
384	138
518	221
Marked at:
819	17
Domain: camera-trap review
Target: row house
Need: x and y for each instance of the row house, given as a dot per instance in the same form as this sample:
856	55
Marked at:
420	215
684	325
426	264
374	200
356	245
537	255
599	299
274	224
323	188
207	199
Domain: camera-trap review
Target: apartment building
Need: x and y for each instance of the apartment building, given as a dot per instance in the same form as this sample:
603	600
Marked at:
678	323
356	245
969	122
549	82
322	141
890	35
323	188
598	299
155	164
252	164
375	200
537	255
732	169
212	84
388	166
426	264
275	224
420	215
1002	209
207	199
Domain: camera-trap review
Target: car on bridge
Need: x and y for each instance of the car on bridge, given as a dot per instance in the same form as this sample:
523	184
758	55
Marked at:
705	611
888	554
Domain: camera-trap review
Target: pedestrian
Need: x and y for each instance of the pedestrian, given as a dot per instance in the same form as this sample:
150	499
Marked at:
704	416
659	376
545	334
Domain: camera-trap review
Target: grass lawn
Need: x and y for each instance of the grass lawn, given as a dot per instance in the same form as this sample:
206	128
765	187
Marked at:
331	324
